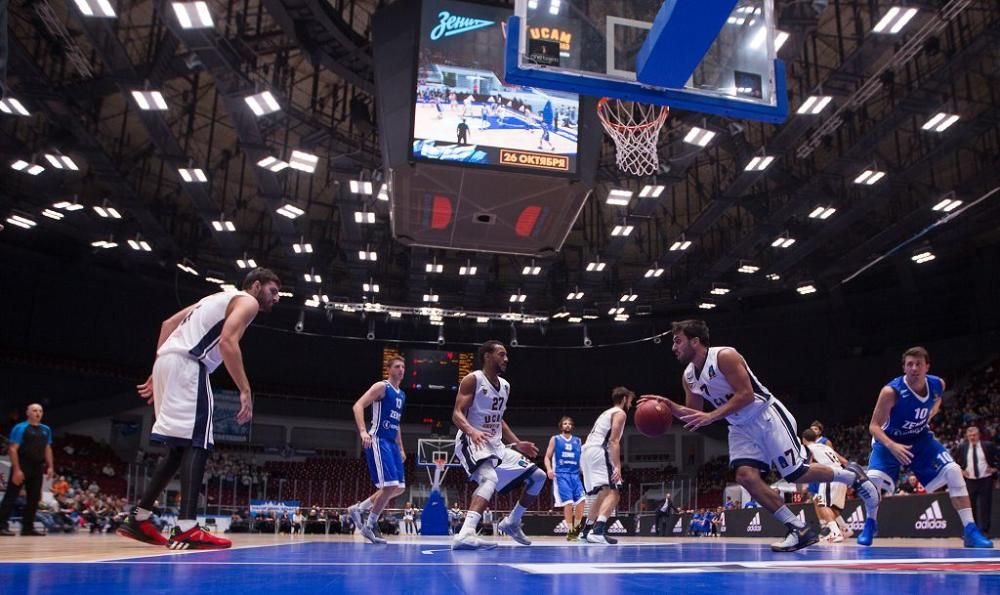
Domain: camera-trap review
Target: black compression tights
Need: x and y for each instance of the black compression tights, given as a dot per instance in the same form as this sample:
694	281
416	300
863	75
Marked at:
190	462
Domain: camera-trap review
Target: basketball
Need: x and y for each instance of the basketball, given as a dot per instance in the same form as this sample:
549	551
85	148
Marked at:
652	418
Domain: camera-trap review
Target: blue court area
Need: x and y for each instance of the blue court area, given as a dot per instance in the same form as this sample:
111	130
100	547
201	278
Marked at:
548	567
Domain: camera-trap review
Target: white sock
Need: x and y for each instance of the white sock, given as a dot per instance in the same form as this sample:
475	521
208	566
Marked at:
842	523
186	524
843	476
834	529
785	516
966	515
471	522
141	514
366	505
373	519
602	519
515	515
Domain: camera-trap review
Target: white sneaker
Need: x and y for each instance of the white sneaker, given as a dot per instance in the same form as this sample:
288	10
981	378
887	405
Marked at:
370	535
836	537
596	538
513	531
356	517
471	542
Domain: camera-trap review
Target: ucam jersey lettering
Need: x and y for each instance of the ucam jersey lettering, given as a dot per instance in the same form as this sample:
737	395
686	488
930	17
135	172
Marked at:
387	413
199	333
911	413
567	454
486	412
713	386
825	455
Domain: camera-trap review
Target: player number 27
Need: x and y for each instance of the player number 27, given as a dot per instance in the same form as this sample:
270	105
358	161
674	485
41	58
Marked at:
497	403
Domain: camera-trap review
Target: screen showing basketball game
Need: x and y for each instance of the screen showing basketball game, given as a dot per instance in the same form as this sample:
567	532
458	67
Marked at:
466	113
431	369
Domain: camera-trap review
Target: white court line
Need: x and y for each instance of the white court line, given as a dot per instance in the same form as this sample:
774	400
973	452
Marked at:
717	565
162	553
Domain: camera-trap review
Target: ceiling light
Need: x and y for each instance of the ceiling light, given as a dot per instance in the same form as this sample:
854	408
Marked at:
651	191
814	104
940	122
139	245
706	305
55	215
894	20
622	230
364	217
215	280
822	212
29	168
433	267
759	163
468	270
575	295
531	270
628	297
431	297
517	298
246	263
312	277
312	302
285	294
22	222
272	164
614	311
780	37
947	205
223	225
67	206
773	277
367	255
304	248
806	288
748	268
719	289
13	107
482	319
107	212
869	177
263	104
190	175
187	269
370	287
149	100
193	15
654	271
362	187
619	198
783	242
96	8
303	161
699	136
923	256
383	193
575	319
60	161
291	211
106	244
595	266
680	245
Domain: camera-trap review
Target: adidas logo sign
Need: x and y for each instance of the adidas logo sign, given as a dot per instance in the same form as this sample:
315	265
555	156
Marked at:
679	527
617	529
802	516
561	528
857	520
754	526
932	518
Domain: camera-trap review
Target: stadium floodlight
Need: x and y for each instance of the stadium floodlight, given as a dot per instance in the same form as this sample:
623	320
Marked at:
149	100
680	244
947	205
262	104
619	198
106	211
60	161
193	175
595	266
362	187
706	305
822	212
894	20
622	230
805	288
719	289
783	241
814	104
272	164
922	256
651	191
65	205
759	163
12	107
54	215
96	8
940	122
364	217
29	168
699	136
302	161
223	225
869	177
290	211
21	221
193	15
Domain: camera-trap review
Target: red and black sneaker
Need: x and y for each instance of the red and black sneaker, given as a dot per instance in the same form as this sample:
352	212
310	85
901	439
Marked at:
196	539
143	531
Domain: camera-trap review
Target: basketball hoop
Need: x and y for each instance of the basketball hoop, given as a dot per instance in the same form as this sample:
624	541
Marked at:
635	128
439	473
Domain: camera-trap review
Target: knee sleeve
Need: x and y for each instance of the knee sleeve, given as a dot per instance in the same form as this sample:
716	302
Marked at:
883	482
951	475
535	482
487	482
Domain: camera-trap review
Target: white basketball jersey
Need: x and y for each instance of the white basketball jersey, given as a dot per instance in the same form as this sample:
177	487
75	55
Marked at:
486	412
600	434
824	455
198	334
714	387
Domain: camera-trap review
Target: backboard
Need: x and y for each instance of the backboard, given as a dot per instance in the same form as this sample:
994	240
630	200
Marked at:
712	56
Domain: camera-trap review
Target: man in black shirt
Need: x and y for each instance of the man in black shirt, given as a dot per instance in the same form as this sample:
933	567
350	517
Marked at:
30	451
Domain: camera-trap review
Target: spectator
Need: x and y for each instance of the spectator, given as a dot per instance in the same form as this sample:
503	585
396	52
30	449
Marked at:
911	486
60	486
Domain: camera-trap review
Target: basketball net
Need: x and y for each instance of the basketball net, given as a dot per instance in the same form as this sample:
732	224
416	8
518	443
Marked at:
635	128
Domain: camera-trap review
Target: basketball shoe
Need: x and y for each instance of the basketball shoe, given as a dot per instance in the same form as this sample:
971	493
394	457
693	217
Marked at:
144	531
471	542
796	539
196	539
513	531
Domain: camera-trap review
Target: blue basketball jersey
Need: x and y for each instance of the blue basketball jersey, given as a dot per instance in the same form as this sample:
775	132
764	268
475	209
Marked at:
387	413
910	415
567	454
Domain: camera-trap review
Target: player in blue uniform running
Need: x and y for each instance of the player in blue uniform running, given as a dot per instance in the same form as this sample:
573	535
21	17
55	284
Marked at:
901	436
562	465
383	444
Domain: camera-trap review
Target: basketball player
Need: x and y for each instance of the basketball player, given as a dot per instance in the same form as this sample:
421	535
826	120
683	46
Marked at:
761	431
817	427
601	462
562	465
479	445
192	344
383	443
830	497
901	436
548	115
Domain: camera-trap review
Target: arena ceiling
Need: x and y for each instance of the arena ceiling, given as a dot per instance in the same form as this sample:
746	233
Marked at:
76	77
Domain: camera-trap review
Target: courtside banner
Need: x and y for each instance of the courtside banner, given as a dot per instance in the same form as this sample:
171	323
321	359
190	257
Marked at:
556	525
280	507
225	427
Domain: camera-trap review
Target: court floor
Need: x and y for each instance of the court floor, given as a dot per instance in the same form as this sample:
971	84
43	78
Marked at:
109	565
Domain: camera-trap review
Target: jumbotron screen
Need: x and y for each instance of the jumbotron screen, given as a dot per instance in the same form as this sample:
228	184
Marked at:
431	369
464	111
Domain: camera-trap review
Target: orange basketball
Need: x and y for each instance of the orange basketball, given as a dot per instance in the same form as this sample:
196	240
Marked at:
652	418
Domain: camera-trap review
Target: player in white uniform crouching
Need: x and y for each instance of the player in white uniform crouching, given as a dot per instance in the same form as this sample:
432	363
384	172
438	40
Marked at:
479	446
762	432
601	463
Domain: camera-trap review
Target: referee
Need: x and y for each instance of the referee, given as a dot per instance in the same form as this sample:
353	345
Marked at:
30	450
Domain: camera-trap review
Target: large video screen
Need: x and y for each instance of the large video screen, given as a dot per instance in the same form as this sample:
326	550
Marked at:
431	369
465	112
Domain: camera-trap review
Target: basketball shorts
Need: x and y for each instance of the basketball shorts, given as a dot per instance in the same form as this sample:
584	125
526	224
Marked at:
182	402
832	494
769	439
567	489
595	463
929	458
385	463
511	467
